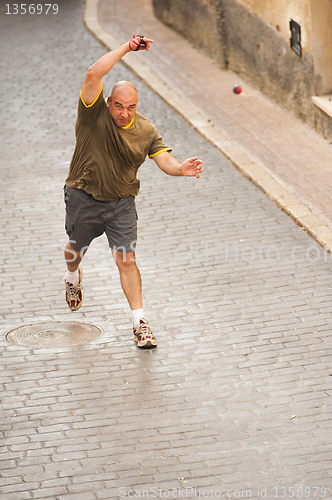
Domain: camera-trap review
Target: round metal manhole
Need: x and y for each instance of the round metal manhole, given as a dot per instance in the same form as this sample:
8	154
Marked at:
53	334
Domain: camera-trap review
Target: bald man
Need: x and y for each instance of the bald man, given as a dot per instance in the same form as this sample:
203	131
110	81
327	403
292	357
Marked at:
112	142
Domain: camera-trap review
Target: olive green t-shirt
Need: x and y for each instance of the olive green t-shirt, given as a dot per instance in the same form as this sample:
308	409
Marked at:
106	157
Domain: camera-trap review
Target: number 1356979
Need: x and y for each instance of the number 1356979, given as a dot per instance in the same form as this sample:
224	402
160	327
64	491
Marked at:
32	8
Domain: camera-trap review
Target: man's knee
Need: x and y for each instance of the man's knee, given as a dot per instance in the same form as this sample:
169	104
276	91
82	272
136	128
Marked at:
124	260
72	255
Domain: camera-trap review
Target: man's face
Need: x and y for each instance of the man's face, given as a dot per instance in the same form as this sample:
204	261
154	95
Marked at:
122	107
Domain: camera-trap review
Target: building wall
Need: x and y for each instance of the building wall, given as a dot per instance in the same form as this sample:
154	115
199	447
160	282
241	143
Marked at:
252	38
277	13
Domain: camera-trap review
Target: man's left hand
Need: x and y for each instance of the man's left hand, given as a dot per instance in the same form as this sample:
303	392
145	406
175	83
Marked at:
192	167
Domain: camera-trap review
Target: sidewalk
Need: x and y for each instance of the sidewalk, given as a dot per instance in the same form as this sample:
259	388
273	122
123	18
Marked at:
288	160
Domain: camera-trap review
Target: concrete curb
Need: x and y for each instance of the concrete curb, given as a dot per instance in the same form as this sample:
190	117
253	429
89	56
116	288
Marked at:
256	172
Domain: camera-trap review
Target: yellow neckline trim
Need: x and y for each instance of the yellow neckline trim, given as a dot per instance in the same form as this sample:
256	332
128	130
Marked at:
129	124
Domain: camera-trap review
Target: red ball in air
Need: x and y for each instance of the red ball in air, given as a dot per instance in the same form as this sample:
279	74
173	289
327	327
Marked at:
237	89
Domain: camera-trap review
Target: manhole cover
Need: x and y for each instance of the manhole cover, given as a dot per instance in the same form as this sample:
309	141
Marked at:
53	334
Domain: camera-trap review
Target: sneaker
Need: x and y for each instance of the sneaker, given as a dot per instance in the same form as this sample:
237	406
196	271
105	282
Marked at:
144	336
74	293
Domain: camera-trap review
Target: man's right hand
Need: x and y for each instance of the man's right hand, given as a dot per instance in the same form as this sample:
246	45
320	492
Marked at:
139	42
93	79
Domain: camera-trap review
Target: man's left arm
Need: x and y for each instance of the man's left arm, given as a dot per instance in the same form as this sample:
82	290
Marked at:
172	166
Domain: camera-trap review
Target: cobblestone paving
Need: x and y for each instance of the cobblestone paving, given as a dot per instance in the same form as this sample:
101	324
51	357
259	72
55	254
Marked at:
236	400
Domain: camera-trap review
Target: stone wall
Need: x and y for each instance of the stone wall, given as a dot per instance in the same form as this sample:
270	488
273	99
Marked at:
277	13
197	20
241	40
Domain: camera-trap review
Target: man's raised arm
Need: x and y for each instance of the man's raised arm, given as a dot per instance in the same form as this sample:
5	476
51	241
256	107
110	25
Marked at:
93	79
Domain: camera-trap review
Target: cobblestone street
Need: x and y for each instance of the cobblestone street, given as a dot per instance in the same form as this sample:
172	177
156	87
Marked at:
236	400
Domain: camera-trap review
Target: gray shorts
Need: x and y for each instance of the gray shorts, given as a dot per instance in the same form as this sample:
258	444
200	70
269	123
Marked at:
87	218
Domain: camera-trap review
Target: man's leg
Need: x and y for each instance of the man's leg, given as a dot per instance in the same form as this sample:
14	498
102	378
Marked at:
73	258
73	277
84	223
131	283
130	278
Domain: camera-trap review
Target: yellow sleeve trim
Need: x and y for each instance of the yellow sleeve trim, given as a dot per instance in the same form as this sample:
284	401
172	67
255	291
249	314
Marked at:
90	105
166	150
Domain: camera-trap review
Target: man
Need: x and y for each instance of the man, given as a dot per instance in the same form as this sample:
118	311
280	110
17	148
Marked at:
112	142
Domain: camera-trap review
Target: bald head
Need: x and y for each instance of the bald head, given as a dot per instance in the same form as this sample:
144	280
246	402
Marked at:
122	103
124	89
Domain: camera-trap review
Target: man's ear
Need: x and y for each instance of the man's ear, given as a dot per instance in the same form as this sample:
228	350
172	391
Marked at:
108	100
